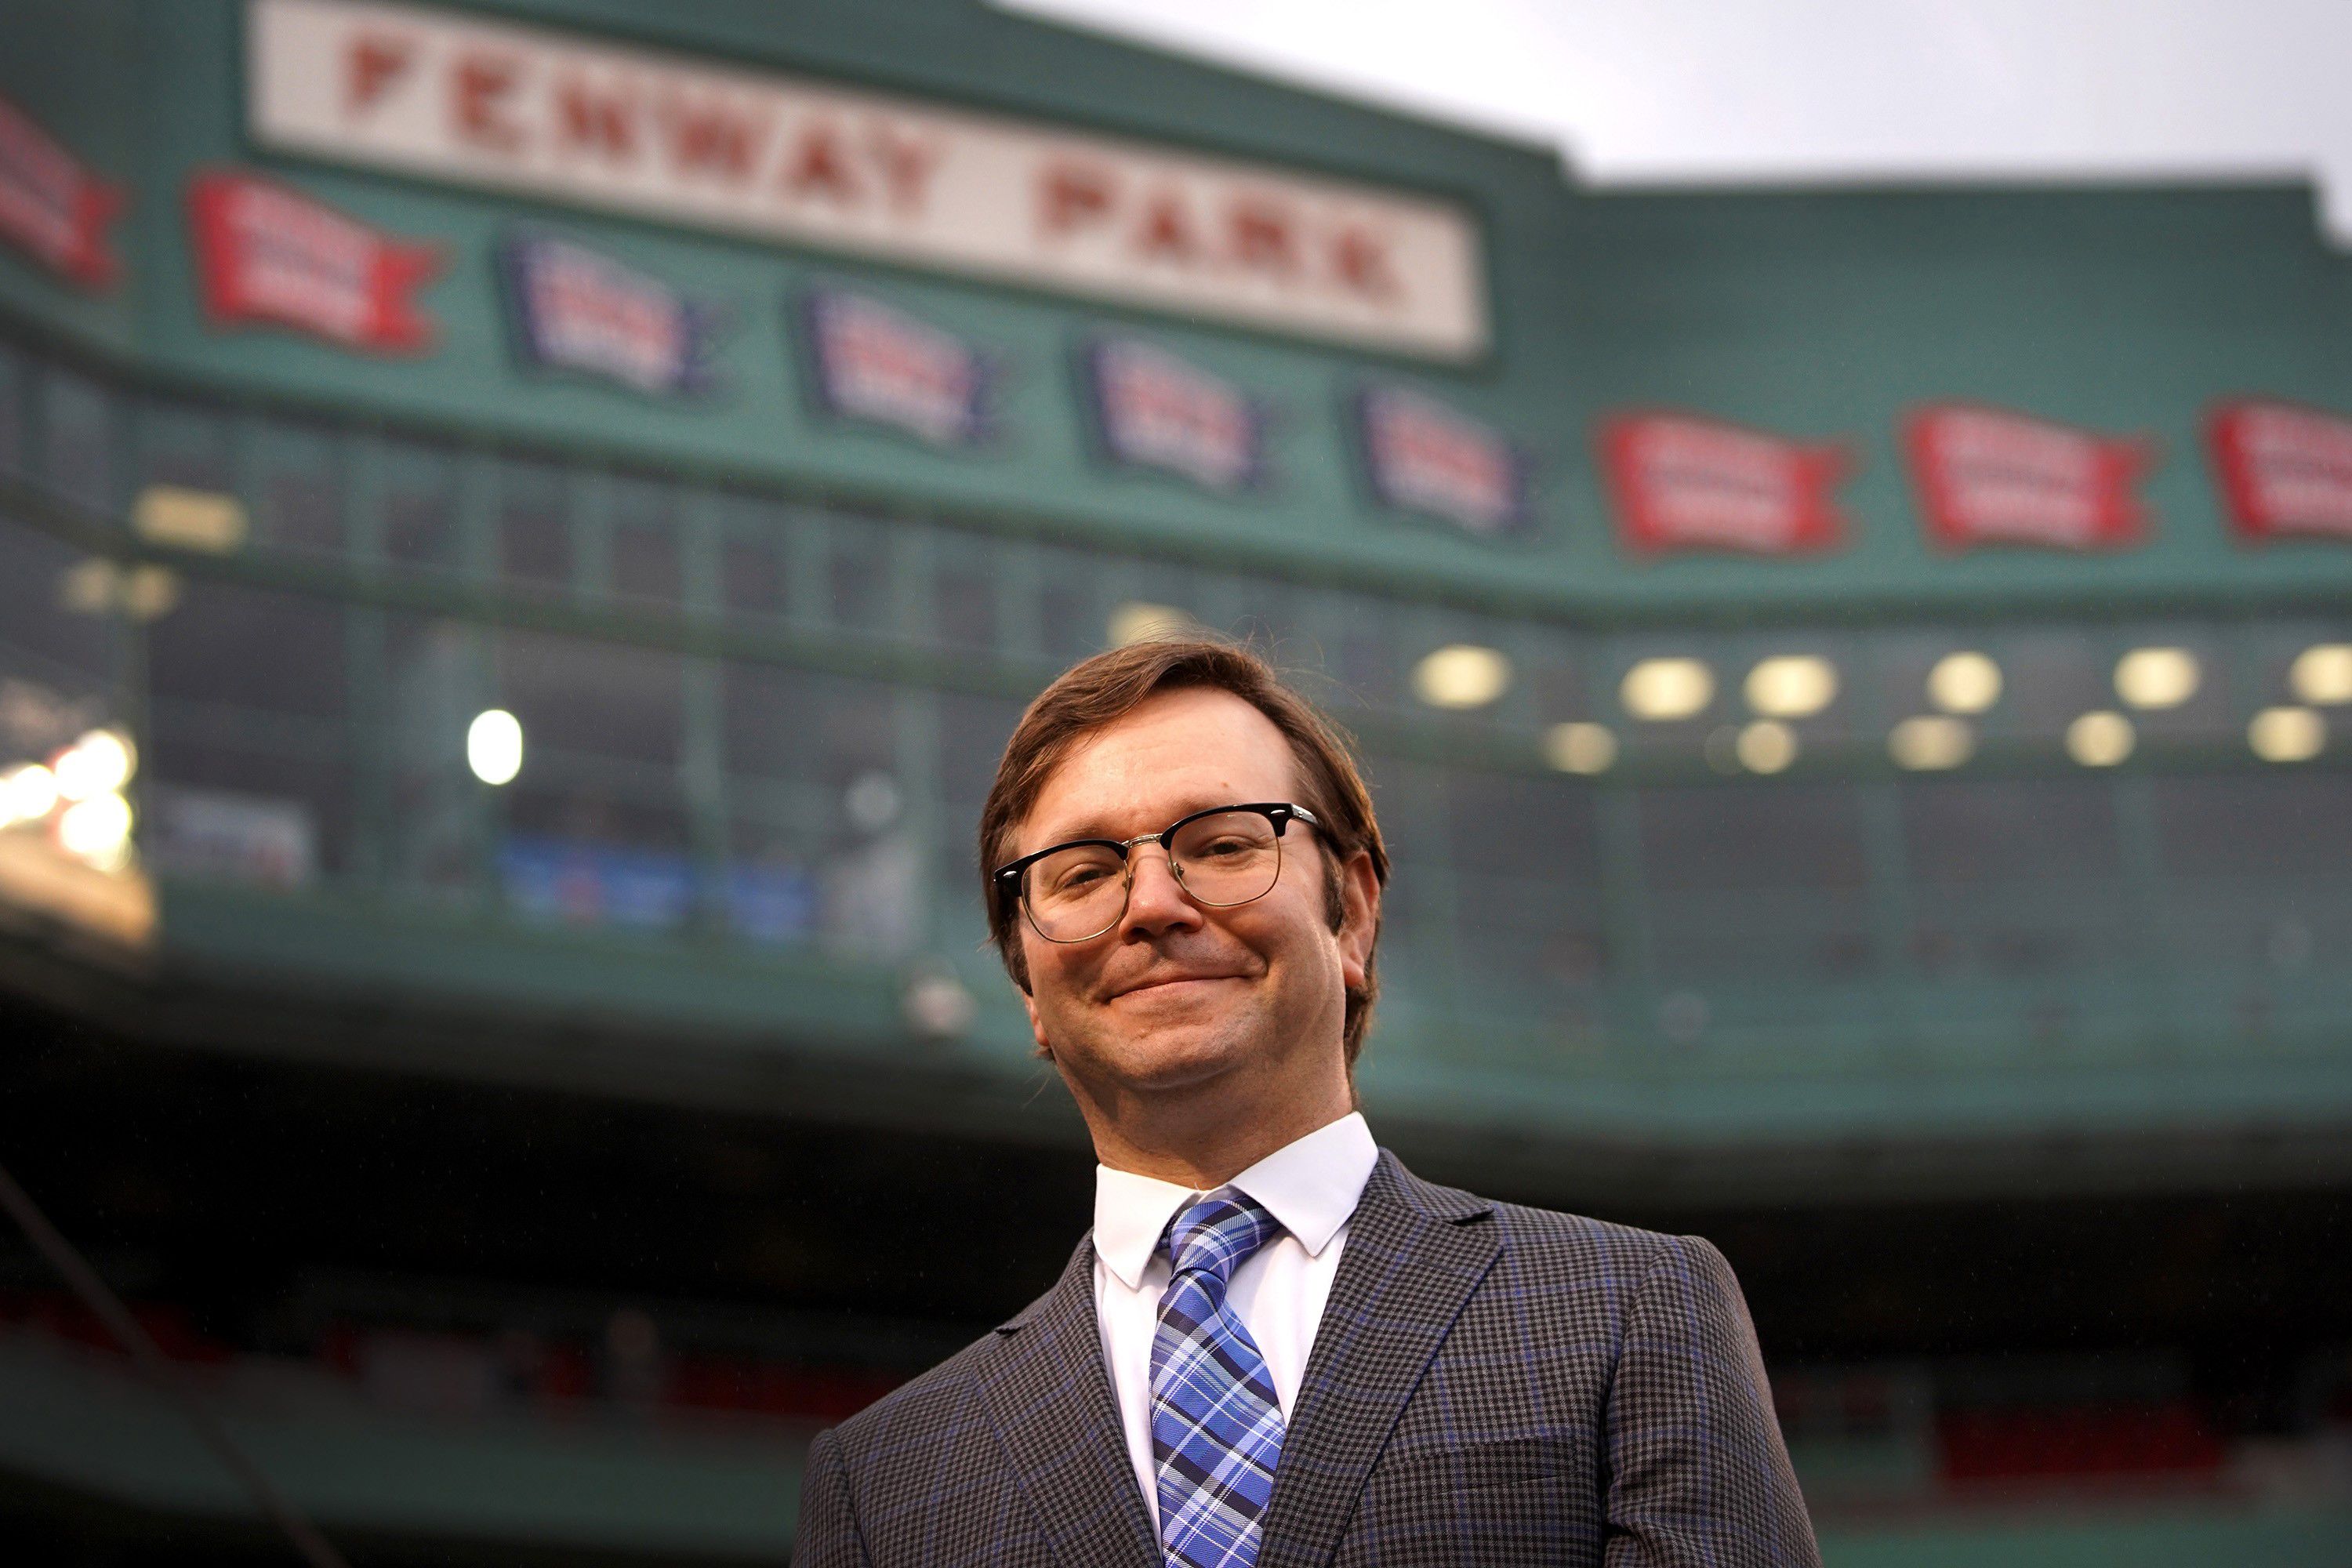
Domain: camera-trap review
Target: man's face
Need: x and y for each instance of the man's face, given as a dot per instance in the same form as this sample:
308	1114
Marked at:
1176	994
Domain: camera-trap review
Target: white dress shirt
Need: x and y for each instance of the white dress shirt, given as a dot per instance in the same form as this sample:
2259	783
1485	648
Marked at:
1310	1186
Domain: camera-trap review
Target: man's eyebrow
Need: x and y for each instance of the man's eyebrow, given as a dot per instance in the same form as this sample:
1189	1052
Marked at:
1095	828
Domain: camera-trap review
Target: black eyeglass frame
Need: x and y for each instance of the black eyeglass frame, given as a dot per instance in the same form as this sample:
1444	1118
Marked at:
1280	814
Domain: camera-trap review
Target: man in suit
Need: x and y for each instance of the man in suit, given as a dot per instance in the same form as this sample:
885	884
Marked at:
1277	1346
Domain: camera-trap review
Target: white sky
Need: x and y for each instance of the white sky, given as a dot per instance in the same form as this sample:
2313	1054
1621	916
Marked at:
1648	91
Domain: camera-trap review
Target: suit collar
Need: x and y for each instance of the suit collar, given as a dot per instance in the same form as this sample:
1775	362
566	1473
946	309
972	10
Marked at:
1415	1253
1043	1385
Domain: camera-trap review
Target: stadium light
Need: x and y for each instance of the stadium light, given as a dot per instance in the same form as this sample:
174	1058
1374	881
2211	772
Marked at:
100	763
1766	746
1461	675
1793	686
2157	677
494	746
1930	742
1137	621
1663	689
97	831
2287	734
2100	739
2322	673
1964	682
1580	748
28	793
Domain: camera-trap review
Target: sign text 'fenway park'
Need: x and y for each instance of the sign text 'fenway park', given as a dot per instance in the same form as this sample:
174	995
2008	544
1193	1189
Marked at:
569	118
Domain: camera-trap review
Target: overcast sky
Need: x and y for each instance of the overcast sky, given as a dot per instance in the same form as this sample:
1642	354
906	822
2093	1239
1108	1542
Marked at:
1651	91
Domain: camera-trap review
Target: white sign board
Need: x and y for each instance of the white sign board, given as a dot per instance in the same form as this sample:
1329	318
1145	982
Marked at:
560	118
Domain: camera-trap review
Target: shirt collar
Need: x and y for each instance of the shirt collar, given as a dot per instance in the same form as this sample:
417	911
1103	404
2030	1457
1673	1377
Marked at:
1309	1185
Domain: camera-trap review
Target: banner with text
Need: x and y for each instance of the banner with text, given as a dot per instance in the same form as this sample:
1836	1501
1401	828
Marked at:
53	206
577	310
267	254
2285	469
567	118
1683	482
871	361
1989	476
1154	410
1420	456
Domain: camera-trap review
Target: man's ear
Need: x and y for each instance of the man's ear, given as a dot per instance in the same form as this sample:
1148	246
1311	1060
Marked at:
1036	1025
1360	924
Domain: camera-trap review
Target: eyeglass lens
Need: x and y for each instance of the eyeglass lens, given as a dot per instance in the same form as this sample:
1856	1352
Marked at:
1229	857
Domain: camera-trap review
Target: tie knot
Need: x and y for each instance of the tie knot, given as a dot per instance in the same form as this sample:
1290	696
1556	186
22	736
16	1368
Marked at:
1218	1234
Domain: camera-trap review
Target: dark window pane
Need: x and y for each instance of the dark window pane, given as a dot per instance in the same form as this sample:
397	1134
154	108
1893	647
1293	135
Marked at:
249	648
43	635
534	535
602	699
1752	836
861	576
248	739
2000	830
752	578
78	418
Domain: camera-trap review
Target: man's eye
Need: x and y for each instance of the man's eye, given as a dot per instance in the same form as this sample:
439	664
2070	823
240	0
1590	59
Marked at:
1080	876
1224	848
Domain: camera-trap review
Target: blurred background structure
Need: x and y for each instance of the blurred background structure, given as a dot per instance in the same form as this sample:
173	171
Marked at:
523	527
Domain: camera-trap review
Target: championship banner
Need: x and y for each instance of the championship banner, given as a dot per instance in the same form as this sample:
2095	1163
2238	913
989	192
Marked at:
1986	476
2283	469
268	254
574	309
1154	410
1682	482
1421	456
870	361
53	206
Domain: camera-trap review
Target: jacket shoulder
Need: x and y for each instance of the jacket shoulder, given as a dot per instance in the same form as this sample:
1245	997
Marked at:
923	1403
1548	1231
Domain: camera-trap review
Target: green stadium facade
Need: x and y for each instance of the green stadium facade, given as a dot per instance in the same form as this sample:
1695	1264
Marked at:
364	370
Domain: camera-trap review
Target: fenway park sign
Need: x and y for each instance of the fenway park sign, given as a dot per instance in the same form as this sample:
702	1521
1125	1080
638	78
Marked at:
561	118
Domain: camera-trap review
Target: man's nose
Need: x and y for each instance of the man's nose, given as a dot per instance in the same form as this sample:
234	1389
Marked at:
1155	898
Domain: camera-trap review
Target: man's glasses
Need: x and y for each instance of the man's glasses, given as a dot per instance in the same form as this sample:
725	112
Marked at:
1225	855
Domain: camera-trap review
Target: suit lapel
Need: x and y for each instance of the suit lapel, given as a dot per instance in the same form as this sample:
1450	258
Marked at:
1414	1253
1045	1389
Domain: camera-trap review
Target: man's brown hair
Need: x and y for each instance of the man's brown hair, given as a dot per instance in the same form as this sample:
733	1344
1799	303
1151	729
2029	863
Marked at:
1101	690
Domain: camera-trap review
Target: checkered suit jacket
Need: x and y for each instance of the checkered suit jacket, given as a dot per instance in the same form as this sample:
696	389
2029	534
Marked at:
1490	1385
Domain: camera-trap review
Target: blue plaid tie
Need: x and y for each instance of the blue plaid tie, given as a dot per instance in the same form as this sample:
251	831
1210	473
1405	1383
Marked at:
1216	1428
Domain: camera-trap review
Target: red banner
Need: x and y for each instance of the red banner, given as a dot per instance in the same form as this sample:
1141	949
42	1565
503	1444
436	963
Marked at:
53	206
1682	482
2283	468
1986	476
266	252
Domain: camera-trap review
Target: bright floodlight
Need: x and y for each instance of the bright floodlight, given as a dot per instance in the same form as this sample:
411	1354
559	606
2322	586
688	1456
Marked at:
1930	742
1136	622
97	831
27	794
1662	688
1580	748
1461	675
1964	682
100	763
1793	686
494	746
1766	746
2287	734
2100	739
2322	673
2157	677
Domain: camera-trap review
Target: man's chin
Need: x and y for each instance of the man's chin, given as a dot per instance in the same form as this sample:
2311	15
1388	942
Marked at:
1181	1056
